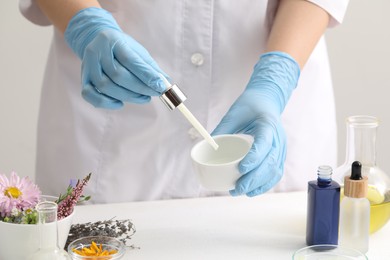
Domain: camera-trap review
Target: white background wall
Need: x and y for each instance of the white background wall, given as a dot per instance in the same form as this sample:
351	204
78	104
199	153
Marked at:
359	52
23	52
360	55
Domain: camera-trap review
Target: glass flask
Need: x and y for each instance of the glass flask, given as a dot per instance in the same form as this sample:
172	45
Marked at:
48	234
361	146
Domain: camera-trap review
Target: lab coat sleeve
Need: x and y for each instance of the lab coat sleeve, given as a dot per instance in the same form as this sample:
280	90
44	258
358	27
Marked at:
335	8
31	11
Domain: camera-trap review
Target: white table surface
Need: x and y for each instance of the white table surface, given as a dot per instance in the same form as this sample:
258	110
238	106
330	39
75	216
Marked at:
271	226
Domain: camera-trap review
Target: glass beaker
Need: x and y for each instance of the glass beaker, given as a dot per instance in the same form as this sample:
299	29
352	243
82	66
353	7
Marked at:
361	146
48	234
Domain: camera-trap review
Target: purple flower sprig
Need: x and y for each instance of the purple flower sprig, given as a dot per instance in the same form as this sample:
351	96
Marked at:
67	202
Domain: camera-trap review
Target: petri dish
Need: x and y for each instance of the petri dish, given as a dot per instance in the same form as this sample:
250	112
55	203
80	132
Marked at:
328	252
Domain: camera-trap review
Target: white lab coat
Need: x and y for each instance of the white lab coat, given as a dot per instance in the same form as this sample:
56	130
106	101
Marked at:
142	152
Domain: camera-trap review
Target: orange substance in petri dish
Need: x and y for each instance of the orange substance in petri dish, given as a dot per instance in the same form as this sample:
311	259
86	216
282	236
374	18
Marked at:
94	250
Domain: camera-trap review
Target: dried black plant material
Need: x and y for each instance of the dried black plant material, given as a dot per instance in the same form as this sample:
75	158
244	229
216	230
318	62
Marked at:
120	229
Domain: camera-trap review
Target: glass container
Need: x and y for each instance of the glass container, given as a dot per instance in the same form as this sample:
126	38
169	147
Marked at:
105	243
48	234
328	252
323	207
361	146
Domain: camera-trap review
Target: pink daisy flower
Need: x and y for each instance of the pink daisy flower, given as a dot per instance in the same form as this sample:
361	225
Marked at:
17	193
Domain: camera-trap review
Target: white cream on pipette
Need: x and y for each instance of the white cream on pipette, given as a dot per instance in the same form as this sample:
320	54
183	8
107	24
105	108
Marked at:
187	113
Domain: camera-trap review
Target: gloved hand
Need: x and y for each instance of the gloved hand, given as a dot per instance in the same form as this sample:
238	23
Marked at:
115	67
257	112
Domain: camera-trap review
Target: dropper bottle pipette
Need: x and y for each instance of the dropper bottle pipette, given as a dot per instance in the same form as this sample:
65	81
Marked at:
173	97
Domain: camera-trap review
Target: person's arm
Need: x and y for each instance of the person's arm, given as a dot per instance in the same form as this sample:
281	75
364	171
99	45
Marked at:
115	69
297	27
59	12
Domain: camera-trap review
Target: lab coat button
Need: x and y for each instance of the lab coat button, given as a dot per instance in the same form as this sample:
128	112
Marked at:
197	59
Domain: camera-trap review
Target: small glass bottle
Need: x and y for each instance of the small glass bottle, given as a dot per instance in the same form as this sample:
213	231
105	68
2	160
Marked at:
48	234
323	204
355	211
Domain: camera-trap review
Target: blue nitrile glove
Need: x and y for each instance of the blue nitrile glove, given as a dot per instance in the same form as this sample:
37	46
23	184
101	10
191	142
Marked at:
115	67
257	112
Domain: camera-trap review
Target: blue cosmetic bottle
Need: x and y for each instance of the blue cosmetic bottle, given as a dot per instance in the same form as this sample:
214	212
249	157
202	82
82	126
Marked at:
323	208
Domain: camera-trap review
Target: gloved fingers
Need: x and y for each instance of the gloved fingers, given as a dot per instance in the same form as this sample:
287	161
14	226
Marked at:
94	97
261	147
133	62
259	176
269	184
232	122
278	173
256	178
92	73
89	92
122	77
109	88
269	181
142	52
